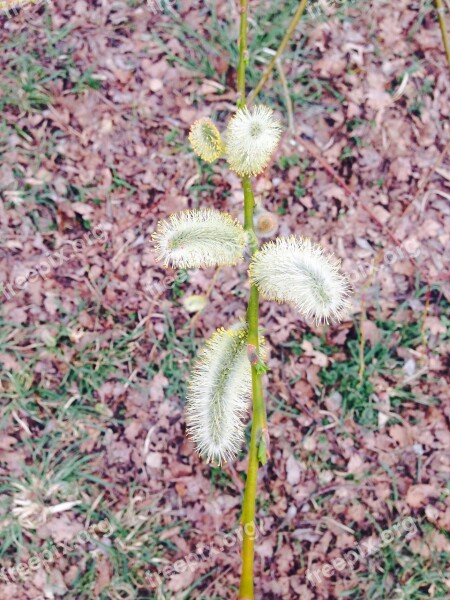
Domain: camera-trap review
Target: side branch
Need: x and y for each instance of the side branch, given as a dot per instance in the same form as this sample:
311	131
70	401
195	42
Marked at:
287	36
243	52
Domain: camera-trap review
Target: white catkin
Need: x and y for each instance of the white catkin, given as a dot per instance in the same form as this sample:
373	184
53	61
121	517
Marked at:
199	238
299	272
219	393
250	140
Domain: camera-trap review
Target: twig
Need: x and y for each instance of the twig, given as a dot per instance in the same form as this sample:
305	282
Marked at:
259	422
287	36
287	96
441	12
243	51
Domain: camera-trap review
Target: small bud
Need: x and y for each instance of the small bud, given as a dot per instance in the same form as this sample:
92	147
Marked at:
206	140
252	354
251	139
195	303
265	223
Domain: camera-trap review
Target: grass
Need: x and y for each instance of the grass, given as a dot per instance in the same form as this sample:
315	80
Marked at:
31	72
54	476
128	538
176	356
71	397
55	417
27	87
54	424
398	572
210	57
381	362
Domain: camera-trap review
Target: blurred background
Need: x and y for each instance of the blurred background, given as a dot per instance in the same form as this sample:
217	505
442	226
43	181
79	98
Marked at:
101	495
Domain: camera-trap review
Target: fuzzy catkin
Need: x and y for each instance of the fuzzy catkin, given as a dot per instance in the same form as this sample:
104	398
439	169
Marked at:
219	393
297	271
199	238
250	140
206	140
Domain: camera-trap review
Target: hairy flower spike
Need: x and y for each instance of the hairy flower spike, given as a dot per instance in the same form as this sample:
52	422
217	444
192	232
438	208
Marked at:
296	271
199	238
251	139
219	390
206	140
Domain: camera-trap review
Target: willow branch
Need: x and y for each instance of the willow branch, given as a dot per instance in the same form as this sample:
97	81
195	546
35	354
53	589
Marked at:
287	36
259	427
259	423
243	52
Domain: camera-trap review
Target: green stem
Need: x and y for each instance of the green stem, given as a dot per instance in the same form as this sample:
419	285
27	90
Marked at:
259	424
243	52
249	202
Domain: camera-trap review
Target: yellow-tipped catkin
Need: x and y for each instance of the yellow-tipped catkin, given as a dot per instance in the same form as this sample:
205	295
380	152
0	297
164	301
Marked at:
206	140
219	393
296	271
251	139
199	238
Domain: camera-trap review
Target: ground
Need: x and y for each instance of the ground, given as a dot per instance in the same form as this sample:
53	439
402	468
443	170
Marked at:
102	496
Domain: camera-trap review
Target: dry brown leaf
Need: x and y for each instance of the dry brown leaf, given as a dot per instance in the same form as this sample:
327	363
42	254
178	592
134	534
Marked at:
417	495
